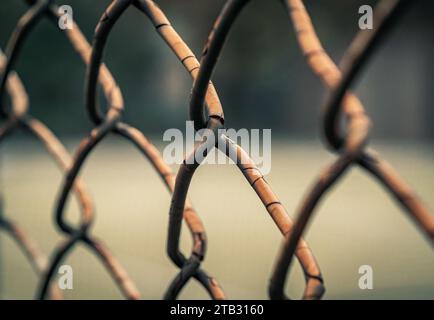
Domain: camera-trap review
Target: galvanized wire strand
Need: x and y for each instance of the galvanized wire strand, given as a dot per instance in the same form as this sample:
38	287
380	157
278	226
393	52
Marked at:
351	146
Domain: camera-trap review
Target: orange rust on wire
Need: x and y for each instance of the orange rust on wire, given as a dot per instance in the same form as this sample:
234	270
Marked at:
19	117
35	256
314	280
351	146
216	39
206	112
181	50
329	73
92	57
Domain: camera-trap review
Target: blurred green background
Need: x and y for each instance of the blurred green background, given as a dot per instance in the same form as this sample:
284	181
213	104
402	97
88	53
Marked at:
263	82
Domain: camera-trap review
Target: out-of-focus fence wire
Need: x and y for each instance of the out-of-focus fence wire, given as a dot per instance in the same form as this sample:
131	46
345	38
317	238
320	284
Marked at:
207	113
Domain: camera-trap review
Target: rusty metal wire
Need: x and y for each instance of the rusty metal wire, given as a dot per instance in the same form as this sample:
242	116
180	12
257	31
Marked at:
351	145
92	57
207	113
214	121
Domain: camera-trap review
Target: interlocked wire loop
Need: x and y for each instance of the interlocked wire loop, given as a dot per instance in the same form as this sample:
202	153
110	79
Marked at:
207	113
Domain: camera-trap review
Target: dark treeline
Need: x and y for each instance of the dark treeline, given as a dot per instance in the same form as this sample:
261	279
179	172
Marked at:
262	78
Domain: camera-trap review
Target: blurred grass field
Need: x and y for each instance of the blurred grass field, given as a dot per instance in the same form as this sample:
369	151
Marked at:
357	224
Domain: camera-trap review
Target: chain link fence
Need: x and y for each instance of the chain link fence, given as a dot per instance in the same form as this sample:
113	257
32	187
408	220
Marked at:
345	125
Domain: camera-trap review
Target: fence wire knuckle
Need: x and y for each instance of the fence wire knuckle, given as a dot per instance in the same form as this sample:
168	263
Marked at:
350	145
